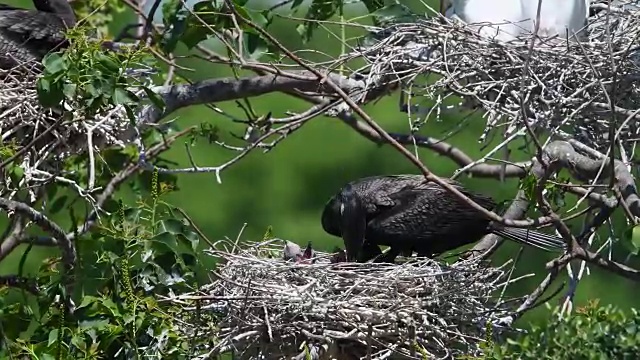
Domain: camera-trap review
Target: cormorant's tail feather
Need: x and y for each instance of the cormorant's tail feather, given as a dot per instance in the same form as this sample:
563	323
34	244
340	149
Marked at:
546	242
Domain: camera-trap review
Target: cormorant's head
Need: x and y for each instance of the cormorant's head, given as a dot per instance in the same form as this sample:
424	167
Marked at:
344	216
331	217
60	7
352	221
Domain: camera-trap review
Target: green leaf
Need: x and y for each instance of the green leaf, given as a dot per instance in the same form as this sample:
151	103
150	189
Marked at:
130	114
635	238
53	337
167	239
120	96
108	63
171	226
132	214
69	90
255	46
16	174
193	238
54	63
108	304
630	238
58	204
154	98
87	300
49	94
44	85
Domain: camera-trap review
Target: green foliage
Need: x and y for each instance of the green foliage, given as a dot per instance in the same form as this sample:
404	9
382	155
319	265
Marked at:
138	254
393	14
631	239
554	192
98	14
325	9
592	333
91	78
193	26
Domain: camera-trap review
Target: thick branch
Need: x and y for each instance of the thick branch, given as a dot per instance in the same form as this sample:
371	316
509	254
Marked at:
65	244
583	167
215	90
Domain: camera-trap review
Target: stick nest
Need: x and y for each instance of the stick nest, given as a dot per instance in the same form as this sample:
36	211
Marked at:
274	308
565	86
50	135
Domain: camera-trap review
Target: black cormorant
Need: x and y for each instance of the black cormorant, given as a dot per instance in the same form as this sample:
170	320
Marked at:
27	35
409	214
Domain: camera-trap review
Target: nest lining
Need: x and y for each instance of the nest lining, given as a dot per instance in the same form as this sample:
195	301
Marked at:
270	307
564	88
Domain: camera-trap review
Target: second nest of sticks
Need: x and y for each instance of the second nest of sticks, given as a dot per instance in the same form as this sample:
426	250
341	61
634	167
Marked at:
38	139
565	88
270	307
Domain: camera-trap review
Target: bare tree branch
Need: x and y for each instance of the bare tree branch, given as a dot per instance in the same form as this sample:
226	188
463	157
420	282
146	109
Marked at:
69	256
216	90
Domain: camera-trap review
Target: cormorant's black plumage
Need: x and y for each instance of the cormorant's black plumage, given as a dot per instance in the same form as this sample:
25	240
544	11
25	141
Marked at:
28	35
409	214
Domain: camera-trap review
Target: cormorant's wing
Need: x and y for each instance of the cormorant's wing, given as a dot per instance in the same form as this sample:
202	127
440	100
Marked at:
28	35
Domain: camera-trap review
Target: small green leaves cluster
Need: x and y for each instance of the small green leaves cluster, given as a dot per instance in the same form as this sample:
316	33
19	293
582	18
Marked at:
325	9
137	255
631	239
91	78
555	193
593	332
98	14
193	26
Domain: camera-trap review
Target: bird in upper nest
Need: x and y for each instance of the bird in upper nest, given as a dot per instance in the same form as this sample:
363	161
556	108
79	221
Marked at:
504	20
409	214
27	35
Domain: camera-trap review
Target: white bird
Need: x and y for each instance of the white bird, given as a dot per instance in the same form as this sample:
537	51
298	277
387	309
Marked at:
504	20
496	19
562	18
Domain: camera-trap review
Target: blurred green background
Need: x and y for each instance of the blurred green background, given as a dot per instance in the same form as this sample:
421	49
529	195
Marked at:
288	187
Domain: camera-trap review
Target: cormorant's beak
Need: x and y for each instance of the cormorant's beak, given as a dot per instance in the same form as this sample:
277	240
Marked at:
353	223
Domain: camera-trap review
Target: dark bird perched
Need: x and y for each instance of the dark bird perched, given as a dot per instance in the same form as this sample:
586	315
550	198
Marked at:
409	214
27	35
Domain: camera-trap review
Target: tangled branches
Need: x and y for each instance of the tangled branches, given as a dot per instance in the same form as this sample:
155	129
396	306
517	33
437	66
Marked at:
556	86
385	310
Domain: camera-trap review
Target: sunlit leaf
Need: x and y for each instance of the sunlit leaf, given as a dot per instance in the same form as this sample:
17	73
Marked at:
54	63
171	226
